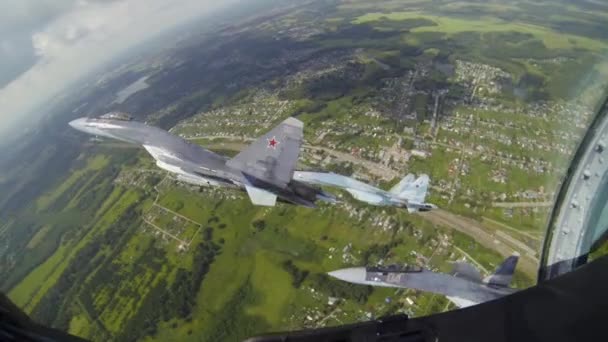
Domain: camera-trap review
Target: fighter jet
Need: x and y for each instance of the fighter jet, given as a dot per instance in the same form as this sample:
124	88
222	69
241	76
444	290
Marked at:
264	169
464	286
409	193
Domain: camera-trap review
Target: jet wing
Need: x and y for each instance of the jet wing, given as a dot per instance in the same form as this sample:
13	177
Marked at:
273	157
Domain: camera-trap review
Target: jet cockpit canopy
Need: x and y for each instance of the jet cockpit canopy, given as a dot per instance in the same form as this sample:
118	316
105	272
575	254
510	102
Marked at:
117	116
394	269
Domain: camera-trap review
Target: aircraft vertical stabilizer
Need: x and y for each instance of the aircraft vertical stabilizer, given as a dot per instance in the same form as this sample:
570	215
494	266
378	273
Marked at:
399	187
273	157
416	191
504	272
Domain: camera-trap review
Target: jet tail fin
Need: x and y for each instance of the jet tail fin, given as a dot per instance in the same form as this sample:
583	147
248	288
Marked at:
399	187
504	272
273	157
415	191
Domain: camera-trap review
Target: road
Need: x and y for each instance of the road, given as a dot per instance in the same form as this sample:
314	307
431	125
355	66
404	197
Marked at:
376	169
200	226
176	214
516	243
517	231
321	323
239	142
372	167
527	263
521	204
479	266
166	232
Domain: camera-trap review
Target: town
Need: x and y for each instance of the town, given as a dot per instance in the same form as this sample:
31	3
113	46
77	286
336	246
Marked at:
475	149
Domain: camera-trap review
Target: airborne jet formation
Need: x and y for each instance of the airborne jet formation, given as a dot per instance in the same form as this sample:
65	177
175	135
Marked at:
264	169
409	193
464	286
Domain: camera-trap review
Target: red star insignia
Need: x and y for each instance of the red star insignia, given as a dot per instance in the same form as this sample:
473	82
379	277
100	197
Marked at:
272	143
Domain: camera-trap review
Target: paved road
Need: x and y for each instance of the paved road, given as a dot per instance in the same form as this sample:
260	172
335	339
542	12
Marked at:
522	204
533	236
376	169
516	243
527	263
372	167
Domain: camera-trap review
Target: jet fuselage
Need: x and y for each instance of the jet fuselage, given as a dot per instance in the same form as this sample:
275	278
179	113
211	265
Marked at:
190	162
171	152
362	191
455	288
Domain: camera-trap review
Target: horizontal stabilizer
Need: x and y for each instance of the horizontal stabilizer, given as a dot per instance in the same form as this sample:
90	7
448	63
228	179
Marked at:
461	302
504	273
273	157
261	197
466	271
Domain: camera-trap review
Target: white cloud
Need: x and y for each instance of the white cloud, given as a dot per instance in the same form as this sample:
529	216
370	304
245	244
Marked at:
84	35
88	23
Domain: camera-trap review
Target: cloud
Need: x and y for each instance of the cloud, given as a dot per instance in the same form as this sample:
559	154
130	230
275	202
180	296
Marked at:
86	23
30	15
67	38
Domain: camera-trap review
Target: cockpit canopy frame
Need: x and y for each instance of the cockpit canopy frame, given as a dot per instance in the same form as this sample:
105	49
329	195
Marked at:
121	116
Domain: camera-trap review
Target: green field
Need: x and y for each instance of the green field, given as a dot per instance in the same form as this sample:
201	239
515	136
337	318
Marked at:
93	164
552	40
248	268
38	282
246	289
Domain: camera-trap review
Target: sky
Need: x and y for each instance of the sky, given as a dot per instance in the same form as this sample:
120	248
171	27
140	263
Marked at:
47	44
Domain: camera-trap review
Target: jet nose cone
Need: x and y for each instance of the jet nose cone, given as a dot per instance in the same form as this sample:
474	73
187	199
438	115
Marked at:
78	123
352	275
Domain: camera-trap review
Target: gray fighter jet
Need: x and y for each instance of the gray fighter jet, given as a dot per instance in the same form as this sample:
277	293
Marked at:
464	286
264	169
409	193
